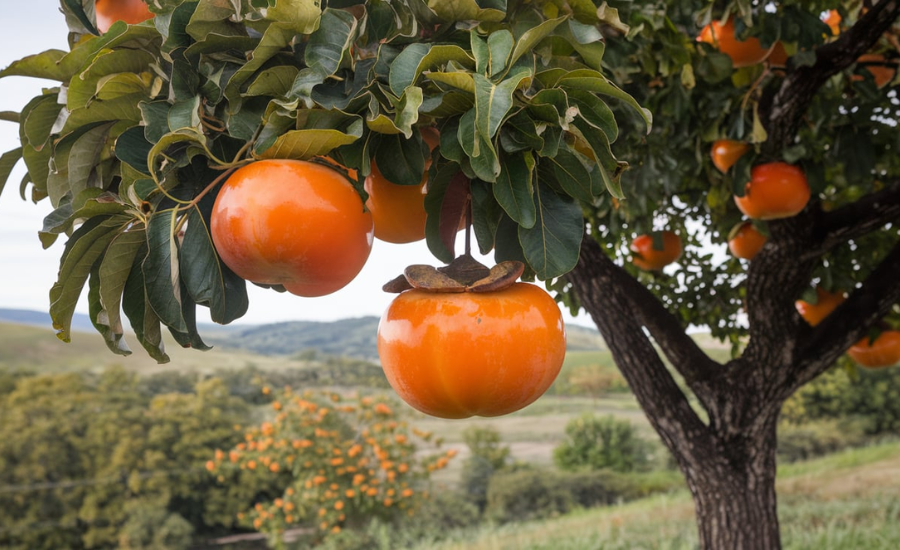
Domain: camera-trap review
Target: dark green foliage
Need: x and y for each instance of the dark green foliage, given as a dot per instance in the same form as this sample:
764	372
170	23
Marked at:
97	462
601	442
525	495
818	438
488	456
872	396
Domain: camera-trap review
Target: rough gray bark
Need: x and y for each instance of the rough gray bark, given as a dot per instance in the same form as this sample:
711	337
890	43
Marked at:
729	460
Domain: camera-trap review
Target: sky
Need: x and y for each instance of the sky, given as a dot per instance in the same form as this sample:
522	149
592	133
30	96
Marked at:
27	271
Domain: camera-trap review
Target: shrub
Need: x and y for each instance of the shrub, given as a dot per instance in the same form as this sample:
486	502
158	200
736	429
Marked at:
601	442
487	456
812	439
336	463
526	495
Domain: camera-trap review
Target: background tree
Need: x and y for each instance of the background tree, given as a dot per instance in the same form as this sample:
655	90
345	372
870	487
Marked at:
594	442
487	456
543	108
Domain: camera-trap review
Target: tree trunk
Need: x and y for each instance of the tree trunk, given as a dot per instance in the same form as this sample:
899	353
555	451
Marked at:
734	496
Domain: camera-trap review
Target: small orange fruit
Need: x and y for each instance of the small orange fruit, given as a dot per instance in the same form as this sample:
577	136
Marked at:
746	242
833	20
880	73
884	351
743	53
815	313
129	11
775	190
648	258
726	152
399	210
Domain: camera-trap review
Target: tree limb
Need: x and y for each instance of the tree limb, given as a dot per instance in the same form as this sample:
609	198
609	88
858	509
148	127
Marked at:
792	98
849	322
609	295
859	218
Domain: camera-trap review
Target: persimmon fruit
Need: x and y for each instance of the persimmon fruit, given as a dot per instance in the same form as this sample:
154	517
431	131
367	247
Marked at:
775	190
779	55
129	11
293	223
726	152
743	53
881	74
746	241
456	355
826	303
399	210
648	258
833	20
883	351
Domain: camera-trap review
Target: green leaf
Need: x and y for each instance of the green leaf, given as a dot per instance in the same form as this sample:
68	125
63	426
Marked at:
42	65
595	112
162	270
465	10
572	176
306	144
500	44
7	162
401	161
83	157
553	245
39	120
486	214
84	87
301	16
434	206
206	278
530	38
514	189
140	315
133	148
418	57
86	245
273	82
593	81
457	79
112	274
185	114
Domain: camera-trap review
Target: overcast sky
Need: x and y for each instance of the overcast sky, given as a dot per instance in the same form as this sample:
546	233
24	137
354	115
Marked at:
27	271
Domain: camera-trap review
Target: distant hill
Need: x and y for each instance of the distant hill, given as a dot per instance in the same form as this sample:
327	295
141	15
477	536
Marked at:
80	321
348	337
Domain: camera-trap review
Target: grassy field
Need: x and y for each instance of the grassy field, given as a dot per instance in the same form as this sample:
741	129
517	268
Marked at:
850	500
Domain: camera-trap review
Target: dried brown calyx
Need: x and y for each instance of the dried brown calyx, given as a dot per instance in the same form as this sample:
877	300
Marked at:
464	274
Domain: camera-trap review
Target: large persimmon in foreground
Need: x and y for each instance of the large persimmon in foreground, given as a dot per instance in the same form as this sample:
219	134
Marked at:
292	223
456	355
883	351
129	11
649	258
775	190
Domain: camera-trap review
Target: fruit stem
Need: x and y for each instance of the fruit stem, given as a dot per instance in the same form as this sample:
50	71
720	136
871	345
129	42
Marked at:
469	224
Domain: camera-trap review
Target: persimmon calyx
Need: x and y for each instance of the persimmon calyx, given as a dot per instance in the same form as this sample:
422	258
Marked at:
464	274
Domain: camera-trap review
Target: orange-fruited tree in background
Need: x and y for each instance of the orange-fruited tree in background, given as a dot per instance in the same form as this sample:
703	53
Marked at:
337	460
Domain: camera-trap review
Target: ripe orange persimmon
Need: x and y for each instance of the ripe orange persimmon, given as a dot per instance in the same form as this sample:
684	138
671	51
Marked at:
880	73
775	190
399	210
455	355
129	11
779	55
884	351
743	53
746	242
833	20
725	152
650	259
293	223
815	313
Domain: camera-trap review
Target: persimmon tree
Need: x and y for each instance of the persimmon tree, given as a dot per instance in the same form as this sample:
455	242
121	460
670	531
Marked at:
567	128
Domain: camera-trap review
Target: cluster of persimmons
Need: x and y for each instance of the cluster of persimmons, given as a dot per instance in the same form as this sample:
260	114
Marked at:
775	190
334	458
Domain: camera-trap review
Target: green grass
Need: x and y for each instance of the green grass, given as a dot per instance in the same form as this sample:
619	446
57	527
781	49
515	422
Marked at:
853	502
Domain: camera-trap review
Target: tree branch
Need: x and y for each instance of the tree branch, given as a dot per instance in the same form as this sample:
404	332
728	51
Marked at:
609	295
849	322
859	218
793	97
